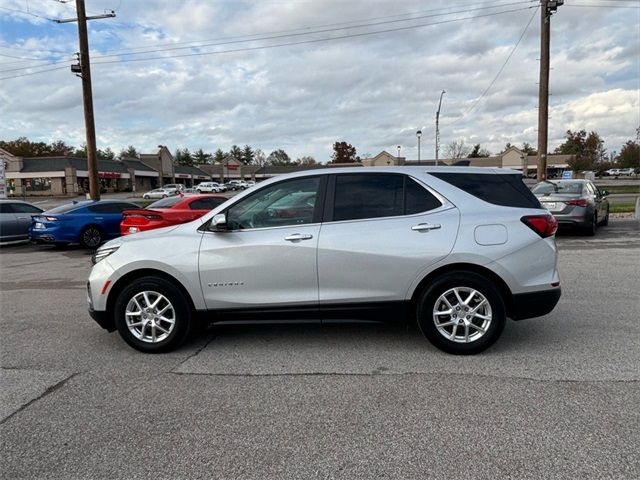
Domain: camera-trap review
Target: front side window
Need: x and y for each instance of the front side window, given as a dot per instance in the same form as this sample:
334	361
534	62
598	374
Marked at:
291	202
360	196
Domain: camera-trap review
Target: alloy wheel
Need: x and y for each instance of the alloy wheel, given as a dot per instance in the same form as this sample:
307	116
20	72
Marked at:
150	317
462	315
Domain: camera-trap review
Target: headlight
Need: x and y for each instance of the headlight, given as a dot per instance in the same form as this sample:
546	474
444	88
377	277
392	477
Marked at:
103	253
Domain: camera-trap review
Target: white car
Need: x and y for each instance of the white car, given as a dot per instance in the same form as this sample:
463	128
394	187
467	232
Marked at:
457	249
209	187
159	193
626	171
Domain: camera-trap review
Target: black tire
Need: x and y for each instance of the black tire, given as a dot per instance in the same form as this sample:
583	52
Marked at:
179	311
91	237
590	230
465	281
605	221
146	197
164	196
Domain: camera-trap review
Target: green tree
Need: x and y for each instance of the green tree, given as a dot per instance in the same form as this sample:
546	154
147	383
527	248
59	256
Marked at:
183	156
588	149
279	157
129	152
218	156
23	147
478	152
629	156
236	151
344	152
202	158
60	148
247	155
528	149
106	154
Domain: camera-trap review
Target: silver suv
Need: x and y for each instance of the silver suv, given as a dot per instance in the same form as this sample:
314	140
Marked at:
457	249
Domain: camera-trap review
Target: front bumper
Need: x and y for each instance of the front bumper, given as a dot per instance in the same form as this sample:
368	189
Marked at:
103	319
534	304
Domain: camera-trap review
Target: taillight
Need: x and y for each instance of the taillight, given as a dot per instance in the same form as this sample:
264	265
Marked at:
581	202
543	225
140	218
51	219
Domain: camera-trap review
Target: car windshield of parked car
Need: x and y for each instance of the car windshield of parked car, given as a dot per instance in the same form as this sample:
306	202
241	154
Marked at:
275	206
563	188
65	208
166	202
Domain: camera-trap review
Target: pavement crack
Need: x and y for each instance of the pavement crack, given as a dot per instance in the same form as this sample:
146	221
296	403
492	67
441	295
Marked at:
47	392
194	354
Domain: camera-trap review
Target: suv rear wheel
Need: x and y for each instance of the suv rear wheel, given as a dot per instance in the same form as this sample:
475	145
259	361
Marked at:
152	315
461	313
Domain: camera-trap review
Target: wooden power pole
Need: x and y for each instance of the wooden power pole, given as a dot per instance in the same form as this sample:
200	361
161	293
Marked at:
87	100
84	72
546	10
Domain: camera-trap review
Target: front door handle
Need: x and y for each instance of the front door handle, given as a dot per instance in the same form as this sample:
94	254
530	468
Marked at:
425	227
294	237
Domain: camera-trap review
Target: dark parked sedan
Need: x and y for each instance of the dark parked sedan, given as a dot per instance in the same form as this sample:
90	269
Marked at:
88	222
15	219
574	203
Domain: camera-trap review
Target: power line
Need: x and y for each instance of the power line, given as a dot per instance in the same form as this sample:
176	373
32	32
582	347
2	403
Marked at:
26	12
245	49
346	24
486	90
272	37
34	73
303	42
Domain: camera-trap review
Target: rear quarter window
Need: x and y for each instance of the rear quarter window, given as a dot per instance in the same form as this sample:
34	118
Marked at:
496	188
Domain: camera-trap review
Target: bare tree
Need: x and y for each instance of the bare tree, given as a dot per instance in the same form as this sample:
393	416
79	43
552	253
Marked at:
259	158
457	149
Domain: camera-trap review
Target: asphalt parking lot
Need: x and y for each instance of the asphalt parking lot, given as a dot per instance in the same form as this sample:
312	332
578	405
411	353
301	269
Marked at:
556	397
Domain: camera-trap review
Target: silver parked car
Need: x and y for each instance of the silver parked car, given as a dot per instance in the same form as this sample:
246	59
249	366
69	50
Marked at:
458	249
159	193
574	203
15	220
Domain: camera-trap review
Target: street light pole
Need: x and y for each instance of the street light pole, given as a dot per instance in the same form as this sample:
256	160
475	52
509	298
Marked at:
419	134
399	154
438	126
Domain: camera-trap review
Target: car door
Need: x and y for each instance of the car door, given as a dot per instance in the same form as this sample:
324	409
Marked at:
23	212
380	231
8	222
262	259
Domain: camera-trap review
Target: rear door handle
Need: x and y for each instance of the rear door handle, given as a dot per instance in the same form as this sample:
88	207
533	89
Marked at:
424	227
294	237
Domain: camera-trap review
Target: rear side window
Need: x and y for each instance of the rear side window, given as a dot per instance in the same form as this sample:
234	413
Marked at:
361	196
6	207
166	202
499	189
206	203
25	208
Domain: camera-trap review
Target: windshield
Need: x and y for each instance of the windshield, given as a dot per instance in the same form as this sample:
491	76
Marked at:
562	188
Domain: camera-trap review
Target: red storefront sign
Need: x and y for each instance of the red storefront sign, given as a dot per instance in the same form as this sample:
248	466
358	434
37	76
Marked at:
109	174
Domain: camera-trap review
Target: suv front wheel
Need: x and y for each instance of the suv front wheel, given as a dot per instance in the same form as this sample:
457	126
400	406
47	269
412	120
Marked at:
461	313
152	315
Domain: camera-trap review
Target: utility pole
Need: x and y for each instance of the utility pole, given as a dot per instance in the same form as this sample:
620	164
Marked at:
87	94
548	7
438	126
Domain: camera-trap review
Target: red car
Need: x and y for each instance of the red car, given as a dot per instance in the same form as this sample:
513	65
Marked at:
169	211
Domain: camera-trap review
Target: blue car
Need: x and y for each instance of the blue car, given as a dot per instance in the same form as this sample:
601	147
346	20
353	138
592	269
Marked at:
88	223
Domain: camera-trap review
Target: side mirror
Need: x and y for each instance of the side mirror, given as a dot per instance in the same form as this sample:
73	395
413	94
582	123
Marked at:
219	223
604	193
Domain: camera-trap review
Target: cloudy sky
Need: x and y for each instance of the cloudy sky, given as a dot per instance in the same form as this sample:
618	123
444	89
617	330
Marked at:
302	74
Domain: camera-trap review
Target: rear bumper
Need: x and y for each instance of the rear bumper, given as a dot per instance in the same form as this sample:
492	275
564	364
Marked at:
534	304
